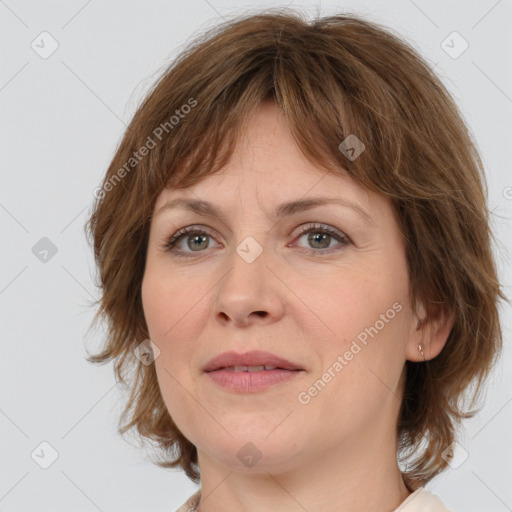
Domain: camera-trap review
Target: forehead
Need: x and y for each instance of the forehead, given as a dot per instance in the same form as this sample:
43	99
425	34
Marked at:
268	165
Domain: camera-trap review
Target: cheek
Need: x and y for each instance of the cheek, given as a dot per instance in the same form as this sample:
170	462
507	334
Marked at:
174	321
367	313
352	300
177	397
162	304
151	294
172	326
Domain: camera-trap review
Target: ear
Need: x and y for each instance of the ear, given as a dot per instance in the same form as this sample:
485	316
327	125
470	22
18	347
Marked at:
431	333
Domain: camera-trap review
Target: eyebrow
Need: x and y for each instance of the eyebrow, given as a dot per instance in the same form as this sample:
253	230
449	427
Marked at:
283	210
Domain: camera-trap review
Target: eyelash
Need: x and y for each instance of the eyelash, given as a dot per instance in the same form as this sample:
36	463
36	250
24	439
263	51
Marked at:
344	240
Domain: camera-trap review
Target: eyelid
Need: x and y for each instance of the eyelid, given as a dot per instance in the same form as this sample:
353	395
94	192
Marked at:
340	237
311	227
169	244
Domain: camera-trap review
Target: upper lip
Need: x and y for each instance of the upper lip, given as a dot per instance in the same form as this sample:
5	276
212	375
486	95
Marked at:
253	358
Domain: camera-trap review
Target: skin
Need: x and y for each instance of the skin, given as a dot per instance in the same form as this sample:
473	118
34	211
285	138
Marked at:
302	300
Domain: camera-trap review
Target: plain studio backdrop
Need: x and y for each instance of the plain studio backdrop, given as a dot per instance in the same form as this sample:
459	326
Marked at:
72	74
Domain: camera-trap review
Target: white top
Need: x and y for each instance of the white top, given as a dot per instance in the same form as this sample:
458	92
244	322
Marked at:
420	500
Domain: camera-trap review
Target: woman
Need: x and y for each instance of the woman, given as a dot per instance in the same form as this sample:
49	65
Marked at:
295	257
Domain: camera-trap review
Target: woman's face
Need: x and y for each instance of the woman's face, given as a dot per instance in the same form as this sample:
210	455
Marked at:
323	287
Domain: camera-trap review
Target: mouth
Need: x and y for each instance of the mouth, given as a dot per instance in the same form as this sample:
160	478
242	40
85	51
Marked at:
251	372
254	361
260	368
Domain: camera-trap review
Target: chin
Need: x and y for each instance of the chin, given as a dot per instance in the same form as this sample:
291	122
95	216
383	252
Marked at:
254	454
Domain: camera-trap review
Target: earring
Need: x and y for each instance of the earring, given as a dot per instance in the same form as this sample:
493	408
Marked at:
420	348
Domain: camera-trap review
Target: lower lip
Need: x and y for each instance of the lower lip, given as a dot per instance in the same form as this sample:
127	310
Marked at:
249	382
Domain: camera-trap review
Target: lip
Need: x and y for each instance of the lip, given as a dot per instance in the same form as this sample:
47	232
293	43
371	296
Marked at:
253	358
221	370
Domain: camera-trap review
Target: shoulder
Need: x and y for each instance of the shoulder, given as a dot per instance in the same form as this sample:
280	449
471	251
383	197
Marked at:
422	501
191	504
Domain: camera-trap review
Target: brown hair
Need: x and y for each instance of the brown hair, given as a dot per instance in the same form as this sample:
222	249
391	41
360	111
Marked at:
331	77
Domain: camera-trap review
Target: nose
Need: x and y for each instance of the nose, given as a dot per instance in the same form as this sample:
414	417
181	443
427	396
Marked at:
249	293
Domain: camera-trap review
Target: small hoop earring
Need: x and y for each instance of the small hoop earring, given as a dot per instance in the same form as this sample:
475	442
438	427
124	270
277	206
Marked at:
420	348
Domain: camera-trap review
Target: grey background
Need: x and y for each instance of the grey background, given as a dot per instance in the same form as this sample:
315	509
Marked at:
61	120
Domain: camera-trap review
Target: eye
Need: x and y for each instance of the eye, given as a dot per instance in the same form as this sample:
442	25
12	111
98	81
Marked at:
192	239
196	239
320	236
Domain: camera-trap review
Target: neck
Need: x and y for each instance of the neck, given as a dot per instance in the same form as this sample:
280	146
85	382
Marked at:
357	477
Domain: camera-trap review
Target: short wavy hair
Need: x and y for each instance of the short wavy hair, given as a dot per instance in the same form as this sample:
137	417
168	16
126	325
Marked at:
332	77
